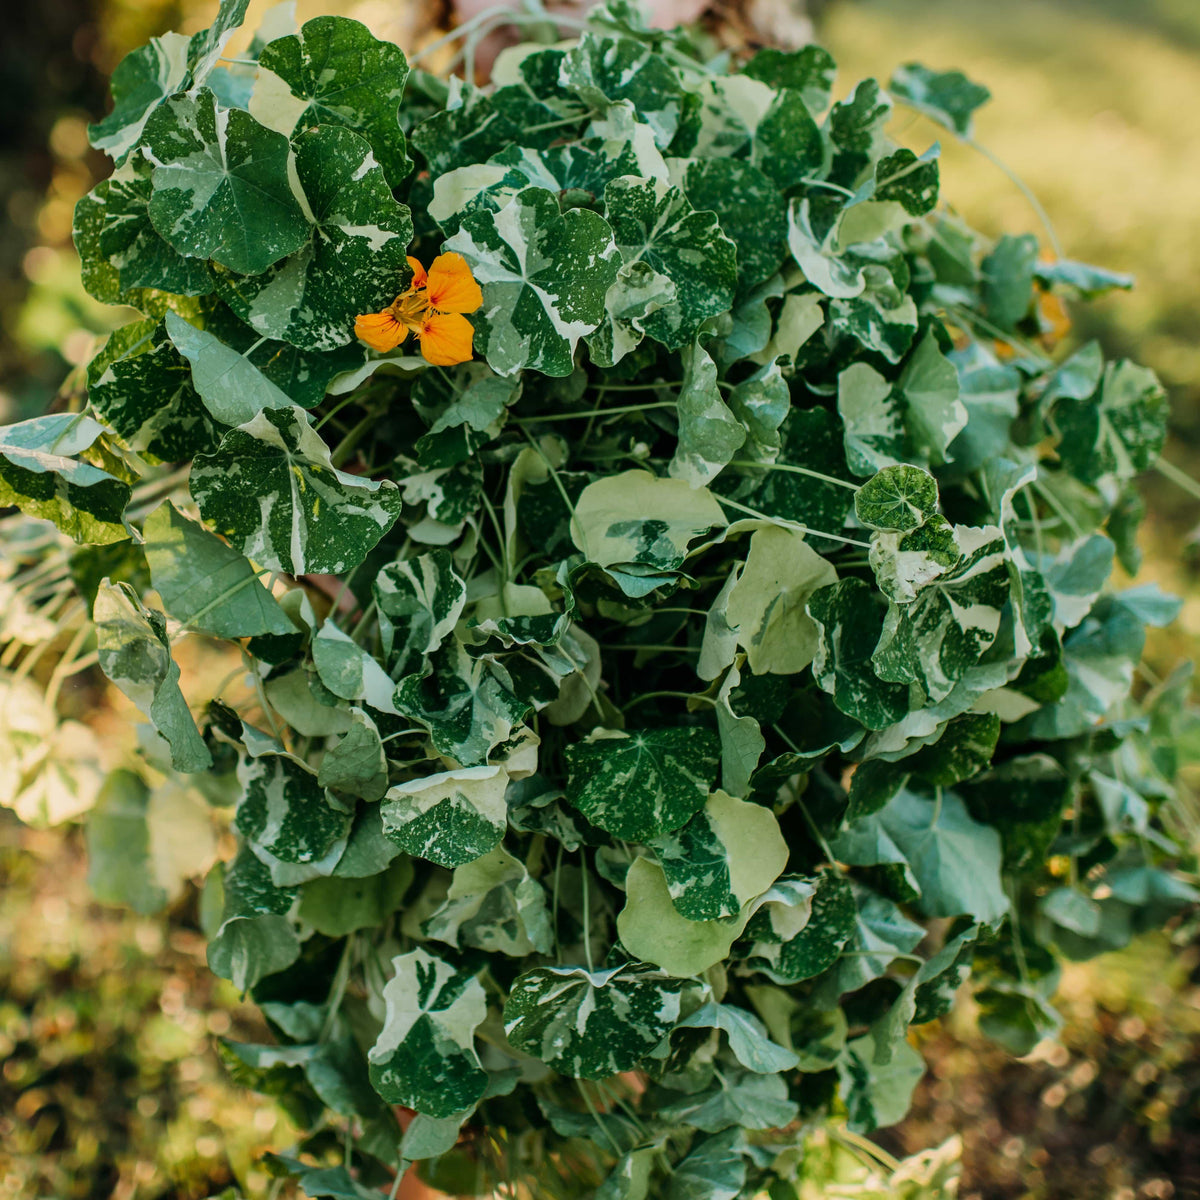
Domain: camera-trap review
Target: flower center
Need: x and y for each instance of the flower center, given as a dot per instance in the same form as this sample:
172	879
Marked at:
410	308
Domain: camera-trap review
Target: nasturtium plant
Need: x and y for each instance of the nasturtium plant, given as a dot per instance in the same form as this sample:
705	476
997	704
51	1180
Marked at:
671	558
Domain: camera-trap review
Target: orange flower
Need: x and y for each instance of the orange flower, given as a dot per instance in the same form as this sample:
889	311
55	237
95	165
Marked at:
433	309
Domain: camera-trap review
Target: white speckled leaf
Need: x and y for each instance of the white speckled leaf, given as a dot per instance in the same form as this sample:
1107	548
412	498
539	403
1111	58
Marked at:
494	905
419	601
136	655
333	72
424	1057
591	1024
937	638
284	810
351	262
544	276
654	223
450	818
142	386
709	433
642	784
271	489
40	475
222	187
727	854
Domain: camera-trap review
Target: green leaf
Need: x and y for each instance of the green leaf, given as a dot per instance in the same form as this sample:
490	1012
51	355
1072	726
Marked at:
468	704
424	1057
130	245
877	1093
709	434
748	1039
285	811
903	178
880	932
639	785
817	257
653	223
451	818
1119	433
856	124
135	654
713	1170
352	261
591	1024
1023	800
812	438
40	475
943	633
1008	280
233	389
544	275
810	70
271	488
1080	281
356	765
651	928
493	905
740	1099
419	601
221	186
933	413
767	605
247	949
898	498
348	671
947	97
905	563
604	70
750	208
120	866
801	933
954	860
872	418
336	907
727	854
142	80
849	622
204	583
636	517
142	387
334	73
788	146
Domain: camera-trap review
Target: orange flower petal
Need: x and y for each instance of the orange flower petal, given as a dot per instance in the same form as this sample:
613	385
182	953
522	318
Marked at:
381	331
452	287
418	279
446	339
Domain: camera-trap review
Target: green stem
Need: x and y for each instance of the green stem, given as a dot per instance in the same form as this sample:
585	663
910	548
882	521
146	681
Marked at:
587	914
349	443
340	980
1181	479
843	483
812	827
1022	187
603	412
678	695
753	512
596	1117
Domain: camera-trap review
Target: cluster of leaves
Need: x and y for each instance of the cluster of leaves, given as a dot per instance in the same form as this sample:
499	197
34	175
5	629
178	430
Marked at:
628	700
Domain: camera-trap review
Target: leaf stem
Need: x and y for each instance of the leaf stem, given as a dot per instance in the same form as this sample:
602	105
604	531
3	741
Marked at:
1180	478
587	915
843	483
753	512
1022	187
594	413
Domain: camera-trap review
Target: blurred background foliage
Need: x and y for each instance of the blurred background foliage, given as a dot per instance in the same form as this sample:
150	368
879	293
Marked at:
110	1083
